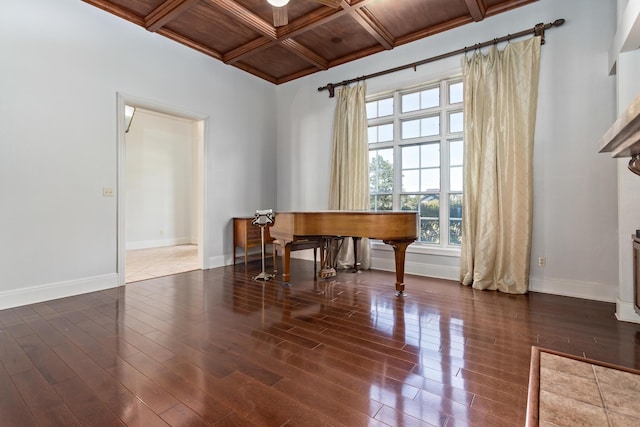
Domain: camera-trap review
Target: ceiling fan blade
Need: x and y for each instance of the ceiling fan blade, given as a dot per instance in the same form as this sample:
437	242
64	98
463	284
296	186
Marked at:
280	16
331	3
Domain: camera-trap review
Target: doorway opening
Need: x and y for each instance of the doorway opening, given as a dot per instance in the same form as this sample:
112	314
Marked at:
161	206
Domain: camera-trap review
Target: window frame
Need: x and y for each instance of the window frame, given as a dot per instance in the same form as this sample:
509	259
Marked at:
444	138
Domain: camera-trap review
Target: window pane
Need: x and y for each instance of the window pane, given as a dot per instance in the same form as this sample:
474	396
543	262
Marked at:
430	155
455	93
411	102
382	202
455	178
455	206
455	232
455	122
387	157
430	180
430	230
380	108
385	107
411	157
430	206
430	126
385	132
430	98
381	171
411	180
372	134
410	129
455	219
372	110
380	133
455	152
409	202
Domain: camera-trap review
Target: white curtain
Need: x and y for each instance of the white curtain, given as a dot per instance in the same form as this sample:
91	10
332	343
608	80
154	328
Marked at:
500	99
349	185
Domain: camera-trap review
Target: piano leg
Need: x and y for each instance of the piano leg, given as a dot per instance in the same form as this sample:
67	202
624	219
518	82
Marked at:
400	249
286	264
356	243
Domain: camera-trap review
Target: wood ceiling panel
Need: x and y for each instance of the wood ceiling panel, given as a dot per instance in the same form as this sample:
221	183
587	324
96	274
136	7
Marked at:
276	61
337	38
417	15
210	27
295	9
317	37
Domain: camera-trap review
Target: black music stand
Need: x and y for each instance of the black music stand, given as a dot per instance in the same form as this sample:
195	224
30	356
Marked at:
262	219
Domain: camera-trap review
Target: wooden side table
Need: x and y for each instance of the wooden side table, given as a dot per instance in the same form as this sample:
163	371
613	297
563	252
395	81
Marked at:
247	236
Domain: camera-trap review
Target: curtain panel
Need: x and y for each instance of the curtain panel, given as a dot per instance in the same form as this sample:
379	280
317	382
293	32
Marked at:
500	101
349	185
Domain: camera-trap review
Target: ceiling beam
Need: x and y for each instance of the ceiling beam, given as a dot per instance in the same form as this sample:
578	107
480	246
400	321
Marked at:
118	11
296	75
246	17
164	13
506	6
449	25
190	43
246	49
477	9
305	53
321	17
256	72
374	27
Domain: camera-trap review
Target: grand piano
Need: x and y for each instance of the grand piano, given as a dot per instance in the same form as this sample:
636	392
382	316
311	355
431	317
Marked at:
398	229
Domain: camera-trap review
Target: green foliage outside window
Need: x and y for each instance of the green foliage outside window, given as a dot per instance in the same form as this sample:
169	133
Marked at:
381	184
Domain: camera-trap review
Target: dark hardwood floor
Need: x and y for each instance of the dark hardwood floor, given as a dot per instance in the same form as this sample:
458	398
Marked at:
218	348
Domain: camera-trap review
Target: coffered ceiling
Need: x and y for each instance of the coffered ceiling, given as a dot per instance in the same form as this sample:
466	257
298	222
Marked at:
304	37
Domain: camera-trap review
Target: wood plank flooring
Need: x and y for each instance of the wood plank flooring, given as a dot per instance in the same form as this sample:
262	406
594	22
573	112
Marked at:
218	348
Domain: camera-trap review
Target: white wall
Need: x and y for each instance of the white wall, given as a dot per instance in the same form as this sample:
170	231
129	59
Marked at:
159	180
575	222
63	64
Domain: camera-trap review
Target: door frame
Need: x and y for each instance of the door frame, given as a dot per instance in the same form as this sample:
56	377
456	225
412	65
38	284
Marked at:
202	120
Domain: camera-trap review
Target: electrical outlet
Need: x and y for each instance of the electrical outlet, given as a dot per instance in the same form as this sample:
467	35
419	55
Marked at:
542	261
107	192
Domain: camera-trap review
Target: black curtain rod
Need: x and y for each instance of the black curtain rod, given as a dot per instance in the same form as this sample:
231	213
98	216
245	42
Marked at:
538	30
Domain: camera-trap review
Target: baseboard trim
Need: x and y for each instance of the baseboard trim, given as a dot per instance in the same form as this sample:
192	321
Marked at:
625	312
571	288
218	261
146	244
51	291
418	268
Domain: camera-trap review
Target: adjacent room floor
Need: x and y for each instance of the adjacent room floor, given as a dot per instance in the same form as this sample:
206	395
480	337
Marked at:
143	264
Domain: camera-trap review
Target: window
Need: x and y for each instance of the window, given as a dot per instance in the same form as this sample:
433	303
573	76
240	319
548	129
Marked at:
416	155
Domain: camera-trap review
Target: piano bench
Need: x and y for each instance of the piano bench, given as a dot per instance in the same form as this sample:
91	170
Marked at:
298	245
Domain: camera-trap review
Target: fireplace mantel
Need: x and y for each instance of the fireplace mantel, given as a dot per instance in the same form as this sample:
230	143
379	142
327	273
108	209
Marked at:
623	138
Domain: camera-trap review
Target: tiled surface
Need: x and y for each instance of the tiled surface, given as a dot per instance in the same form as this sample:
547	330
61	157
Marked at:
575	393
143	264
